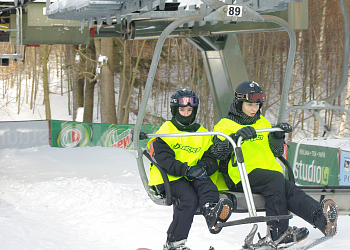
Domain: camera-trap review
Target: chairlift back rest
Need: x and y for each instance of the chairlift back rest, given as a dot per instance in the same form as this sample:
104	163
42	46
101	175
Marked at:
168	196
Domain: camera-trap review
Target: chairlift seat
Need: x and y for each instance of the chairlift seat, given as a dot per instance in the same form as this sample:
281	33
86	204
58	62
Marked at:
237	198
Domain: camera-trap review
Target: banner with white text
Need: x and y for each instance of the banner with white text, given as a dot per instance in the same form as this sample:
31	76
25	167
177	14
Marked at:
315	165
24	134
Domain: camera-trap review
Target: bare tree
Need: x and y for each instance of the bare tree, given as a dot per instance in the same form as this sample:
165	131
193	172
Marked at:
78	83
346	106
97	42
91	79
124	85
46	52
319	61
108	111
127	106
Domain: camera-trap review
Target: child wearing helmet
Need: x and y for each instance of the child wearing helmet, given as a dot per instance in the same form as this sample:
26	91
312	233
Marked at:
188	164
264	172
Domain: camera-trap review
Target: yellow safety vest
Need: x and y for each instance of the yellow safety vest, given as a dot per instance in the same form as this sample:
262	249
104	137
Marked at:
256	152
219	181
188	149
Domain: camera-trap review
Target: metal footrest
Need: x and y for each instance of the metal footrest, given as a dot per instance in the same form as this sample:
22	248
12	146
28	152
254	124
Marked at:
256	219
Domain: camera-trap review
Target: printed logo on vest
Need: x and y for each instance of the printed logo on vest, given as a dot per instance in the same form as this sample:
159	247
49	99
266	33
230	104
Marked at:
187	148
258	138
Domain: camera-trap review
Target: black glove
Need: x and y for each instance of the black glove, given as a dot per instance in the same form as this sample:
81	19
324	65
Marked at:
286	129
197	171
246	133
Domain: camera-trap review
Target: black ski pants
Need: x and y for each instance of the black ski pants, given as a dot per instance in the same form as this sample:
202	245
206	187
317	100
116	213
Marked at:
281	196
191	195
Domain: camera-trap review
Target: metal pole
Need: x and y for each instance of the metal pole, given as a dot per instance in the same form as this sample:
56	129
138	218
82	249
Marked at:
21	29
290	61
18	28
246	184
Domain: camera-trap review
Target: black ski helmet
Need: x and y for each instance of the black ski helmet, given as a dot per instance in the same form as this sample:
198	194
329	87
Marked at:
183	97
249	91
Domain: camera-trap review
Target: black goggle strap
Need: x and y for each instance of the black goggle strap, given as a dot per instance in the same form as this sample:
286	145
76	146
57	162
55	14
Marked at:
252	97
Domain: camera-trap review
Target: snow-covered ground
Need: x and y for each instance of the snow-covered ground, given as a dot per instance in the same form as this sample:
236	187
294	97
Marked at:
93	198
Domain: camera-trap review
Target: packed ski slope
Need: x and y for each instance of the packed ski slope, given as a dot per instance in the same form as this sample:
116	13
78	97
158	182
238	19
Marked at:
93	198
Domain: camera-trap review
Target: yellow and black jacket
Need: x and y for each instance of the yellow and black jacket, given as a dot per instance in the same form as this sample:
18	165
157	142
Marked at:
176	154
256	152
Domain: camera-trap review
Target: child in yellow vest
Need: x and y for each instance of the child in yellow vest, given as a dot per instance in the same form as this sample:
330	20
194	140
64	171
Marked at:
188	164
264	172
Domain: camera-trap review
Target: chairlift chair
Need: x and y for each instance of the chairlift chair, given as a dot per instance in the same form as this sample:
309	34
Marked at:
246	202
248	196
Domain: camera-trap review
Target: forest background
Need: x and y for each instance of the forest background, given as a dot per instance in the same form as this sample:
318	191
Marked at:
110	88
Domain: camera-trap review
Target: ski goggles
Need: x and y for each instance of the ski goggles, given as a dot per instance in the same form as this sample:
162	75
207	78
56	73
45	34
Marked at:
186	100
251	97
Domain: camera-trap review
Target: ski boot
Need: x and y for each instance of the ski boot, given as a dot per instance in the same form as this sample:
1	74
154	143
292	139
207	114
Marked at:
291	235
217	212
176	245
326	217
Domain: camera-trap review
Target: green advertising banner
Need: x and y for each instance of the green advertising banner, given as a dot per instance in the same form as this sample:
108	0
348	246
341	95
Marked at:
315	165
79	134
